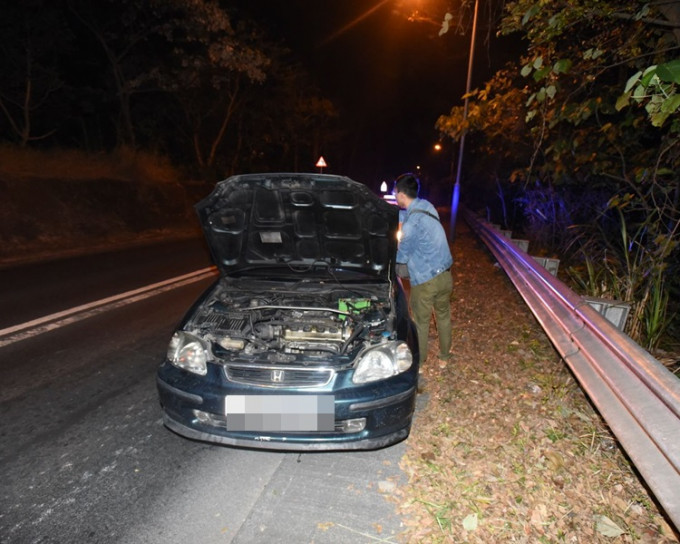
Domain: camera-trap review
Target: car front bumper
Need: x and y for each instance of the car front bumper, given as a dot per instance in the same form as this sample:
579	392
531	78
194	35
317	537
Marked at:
363	421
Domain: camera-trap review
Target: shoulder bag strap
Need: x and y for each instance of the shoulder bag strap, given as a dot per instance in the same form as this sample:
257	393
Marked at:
433	216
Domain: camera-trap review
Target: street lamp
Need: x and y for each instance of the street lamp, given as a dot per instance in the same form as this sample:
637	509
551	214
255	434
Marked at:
455	196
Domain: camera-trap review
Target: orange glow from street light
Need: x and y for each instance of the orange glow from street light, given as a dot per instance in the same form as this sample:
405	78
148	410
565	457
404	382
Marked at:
354	22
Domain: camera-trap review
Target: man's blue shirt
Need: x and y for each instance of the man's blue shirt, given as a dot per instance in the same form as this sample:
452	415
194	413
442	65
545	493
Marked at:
423	245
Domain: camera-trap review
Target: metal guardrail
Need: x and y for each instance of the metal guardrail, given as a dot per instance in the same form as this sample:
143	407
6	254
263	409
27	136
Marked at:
638	397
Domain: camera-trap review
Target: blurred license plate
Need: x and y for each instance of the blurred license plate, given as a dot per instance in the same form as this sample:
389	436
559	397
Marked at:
280	413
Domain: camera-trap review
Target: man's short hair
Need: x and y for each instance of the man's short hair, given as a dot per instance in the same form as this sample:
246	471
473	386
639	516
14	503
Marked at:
409	184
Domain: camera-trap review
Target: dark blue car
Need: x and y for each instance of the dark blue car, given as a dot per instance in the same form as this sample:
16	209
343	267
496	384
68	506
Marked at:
305	340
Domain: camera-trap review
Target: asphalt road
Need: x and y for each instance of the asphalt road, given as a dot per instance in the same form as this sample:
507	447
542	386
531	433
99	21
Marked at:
84	456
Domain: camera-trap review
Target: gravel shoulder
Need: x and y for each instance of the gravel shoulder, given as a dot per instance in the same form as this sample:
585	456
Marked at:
507	448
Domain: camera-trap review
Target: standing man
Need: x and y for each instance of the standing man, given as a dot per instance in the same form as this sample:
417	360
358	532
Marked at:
424	249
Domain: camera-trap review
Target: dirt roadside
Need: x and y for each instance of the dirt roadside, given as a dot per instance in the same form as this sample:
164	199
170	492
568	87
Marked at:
507	447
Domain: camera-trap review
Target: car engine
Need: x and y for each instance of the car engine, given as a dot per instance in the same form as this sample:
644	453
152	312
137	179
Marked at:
286	322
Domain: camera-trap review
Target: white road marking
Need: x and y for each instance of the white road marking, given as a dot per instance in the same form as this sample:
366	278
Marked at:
38	326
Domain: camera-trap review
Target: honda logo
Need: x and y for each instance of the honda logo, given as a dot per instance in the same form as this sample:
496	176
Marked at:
277	376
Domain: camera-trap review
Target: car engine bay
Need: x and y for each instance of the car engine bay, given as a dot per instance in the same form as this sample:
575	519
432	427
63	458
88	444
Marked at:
285	324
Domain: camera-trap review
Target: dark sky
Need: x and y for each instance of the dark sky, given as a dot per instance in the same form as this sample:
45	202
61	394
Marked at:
390	78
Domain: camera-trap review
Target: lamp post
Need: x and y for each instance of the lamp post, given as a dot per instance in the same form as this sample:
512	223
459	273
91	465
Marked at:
455	195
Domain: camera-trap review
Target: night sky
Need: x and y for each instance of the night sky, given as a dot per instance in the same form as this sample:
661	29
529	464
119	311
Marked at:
390	78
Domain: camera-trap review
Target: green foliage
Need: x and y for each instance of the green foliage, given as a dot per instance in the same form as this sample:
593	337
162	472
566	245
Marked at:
629	256
497	129
563	121
656	88
655	318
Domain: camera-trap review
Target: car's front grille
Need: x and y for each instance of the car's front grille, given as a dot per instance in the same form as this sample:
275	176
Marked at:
279	376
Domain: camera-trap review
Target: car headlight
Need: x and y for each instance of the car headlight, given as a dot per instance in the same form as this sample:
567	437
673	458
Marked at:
188	352
383	362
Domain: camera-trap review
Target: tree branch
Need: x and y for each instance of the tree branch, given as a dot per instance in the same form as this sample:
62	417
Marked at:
656	22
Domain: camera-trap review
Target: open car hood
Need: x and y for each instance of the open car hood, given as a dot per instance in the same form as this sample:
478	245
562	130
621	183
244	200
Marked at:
286	224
